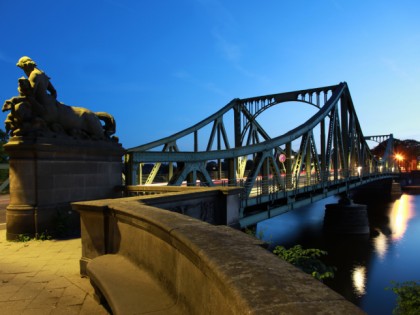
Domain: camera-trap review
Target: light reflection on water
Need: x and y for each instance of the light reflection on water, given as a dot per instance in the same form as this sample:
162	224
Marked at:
381	244
401	213
365	265
359	280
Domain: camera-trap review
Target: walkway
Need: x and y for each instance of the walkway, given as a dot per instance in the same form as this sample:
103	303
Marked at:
42	277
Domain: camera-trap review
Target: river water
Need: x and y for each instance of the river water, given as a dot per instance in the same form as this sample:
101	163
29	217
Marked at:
366	265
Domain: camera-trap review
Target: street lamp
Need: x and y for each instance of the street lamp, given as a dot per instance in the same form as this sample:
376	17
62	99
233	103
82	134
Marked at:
399	158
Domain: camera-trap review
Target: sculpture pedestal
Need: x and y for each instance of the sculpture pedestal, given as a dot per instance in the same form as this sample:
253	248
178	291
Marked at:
47	174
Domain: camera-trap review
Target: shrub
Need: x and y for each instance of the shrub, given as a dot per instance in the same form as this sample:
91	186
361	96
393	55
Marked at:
408	298
306	260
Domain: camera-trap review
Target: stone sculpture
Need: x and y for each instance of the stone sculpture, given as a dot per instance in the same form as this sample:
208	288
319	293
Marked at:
36	111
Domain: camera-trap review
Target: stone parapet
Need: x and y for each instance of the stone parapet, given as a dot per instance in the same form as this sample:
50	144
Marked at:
214	205
207	269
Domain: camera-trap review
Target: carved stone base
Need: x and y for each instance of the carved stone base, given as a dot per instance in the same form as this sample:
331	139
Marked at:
46	175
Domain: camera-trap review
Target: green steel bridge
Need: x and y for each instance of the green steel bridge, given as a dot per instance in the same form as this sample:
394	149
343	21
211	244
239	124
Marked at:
325	155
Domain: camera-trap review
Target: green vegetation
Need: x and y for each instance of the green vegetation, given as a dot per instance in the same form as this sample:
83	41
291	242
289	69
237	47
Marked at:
306	260
408	297
44	236
3	139
22	238
4	159
253	232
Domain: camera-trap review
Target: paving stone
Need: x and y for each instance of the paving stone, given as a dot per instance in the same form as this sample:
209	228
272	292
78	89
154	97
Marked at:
72	296
58	282
37	311
42	277
12	308
27	292
50	293
90	307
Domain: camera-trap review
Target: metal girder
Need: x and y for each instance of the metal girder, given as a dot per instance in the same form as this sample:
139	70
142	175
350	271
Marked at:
196	171
219	131
263	161
297	167
342	144
241	166
153	173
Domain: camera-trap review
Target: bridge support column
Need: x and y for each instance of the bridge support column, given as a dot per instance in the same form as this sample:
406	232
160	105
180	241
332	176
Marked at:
47	174
396	191
346	217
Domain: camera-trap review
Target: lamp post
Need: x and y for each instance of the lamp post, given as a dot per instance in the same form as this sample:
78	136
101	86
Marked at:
399	158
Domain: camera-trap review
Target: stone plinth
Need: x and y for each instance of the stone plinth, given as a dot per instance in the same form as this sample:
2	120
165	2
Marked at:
46	174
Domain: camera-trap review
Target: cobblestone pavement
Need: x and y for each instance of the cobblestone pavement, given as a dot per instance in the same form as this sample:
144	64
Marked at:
42	277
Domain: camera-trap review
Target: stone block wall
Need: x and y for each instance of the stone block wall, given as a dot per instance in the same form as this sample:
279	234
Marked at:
47	174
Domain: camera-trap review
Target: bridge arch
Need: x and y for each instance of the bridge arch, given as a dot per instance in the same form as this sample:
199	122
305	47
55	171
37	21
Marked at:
338	153
261	114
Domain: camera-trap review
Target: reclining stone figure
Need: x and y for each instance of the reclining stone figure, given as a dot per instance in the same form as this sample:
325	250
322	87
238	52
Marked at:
36	110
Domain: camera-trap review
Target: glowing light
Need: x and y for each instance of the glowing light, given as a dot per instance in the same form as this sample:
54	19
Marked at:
399	157
359	170
359	280
381	244
401	213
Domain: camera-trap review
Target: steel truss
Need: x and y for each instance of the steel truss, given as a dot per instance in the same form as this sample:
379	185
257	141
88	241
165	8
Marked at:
337	151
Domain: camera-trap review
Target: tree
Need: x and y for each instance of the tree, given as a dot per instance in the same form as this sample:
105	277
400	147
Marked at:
409	149
4	158
4	137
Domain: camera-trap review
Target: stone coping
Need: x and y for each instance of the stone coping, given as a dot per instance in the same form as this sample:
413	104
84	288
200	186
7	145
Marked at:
209	269
162	194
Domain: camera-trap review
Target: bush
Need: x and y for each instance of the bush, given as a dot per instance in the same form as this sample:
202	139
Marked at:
306	260
408	298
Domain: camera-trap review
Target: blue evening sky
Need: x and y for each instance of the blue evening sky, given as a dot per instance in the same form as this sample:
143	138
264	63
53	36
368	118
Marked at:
160	66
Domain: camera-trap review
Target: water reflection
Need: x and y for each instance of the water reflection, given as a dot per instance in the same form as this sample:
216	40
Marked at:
380	244
359	280
399	216
401	213
365	264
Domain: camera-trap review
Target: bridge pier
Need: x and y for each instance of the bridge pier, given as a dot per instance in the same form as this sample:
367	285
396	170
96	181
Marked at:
396	190
346	217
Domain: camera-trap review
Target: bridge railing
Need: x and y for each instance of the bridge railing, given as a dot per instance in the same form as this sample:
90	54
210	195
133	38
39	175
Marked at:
266	185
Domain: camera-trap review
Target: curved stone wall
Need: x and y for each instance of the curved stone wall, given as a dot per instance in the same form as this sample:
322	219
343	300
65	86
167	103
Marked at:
207	269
